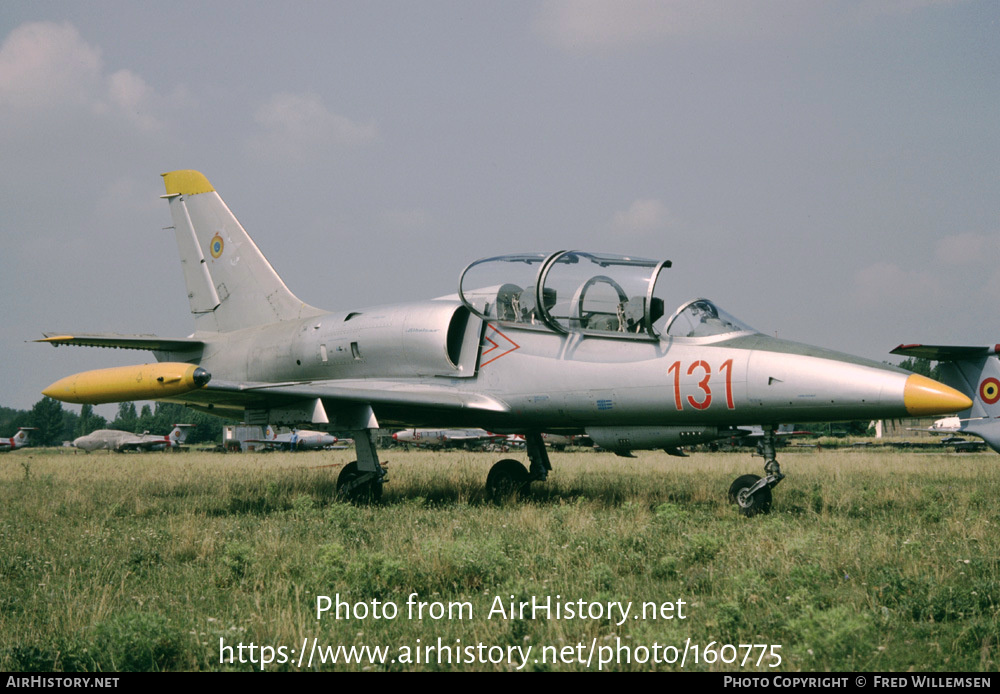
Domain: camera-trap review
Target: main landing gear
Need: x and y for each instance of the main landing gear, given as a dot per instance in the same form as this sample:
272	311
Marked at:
510	479
360	482
752	494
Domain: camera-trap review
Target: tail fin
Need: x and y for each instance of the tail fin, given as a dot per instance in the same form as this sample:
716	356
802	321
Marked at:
229	281
179	433
974	371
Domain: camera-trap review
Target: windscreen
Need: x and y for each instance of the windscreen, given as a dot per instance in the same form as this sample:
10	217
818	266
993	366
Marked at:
702	318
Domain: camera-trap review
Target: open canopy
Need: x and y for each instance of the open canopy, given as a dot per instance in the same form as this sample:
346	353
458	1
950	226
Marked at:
589	293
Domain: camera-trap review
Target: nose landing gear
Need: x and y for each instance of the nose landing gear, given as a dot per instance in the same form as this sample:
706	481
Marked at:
752	494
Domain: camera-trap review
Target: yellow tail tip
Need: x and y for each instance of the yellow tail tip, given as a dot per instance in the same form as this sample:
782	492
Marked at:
186	182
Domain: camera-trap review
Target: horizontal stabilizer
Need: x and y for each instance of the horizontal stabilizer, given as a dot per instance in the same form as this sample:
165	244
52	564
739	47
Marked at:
116	341
945	352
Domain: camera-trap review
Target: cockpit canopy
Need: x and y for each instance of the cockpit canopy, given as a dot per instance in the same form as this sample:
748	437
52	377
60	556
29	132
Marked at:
593	294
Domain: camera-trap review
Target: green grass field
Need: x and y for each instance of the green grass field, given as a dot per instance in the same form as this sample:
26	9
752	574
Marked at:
870	561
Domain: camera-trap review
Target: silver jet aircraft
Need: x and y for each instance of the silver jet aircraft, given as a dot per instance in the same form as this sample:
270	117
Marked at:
122	441
18	440
296	439
566	342
443	438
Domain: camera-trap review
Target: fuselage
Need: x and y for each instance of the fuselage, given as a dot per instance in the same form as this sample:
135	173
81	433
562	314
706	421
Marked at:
115	440
565	382
301	439
443	437
18	440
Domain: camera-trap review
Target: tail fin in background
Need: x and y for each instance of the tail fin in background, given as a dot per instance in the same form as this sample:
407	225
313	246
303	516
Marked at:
18	440
975	371
179	433
230	283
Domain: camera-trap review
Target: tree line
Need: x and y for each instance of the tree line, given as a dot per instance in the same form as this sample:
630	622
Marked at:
55	425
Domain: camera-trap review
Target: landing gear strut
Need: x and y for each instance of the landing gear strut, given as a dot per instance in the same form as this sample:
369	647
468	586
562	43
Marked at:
360	482
509	477
752	494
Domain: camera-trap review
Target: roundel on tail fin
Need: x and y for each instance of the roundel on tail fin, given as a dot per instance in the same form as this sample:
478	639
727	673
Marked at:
989	390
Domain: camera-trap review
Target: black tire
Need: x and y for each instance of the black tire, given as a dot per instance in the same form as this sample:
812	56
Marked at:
366	493
507	479
760	502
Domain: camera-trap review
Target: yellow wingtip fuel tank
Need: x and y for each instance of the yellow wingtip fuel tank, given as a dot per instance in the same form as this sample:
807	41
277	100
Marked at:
123	383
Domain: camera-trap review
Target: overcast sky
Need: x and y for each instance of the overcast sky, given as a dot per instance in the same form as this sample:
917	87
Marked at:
827	171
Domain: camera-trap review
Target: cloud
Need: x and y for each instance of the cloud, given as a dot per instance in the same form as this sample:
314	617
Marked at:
886	285
642	217
609	24
129	94
595	25
968	249
43	64
47	67
299	125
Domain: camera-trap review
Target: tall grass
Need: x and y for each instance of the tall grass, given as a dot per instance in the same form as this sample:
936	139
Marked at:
869	560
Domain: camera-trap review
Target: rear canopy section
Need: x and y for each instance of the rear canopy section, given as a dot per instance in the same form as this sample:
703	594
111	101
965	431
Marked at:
568	291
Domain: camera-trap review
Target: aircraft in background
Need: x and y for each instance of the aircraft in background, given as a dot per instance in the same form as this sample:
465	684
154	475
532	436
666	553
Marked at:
121	441
18	440
559	442
946	426
445	438
950	428
975	372
567	343
754	434
296	439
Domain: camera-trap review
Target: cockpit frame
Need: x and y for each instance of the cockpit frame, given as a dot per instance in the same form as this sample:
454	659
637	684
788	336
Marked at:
536	305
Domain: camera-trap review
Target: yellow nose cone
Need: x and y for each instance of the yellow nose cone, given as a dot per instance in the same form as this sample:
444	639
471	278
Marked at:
922	396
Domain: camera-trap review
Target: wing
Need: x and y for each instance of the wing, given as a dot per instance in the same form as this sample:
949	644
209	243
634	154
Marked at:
150	445
129	445
393	401
937	431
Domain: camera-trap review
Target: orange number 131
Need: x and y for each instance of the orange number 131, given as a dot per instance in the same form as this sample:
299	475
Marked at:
705	384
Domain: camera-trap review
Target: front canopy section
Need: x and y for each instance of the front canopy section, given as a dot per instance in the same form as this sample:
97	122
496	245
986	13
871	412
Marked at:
702	318
568	291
